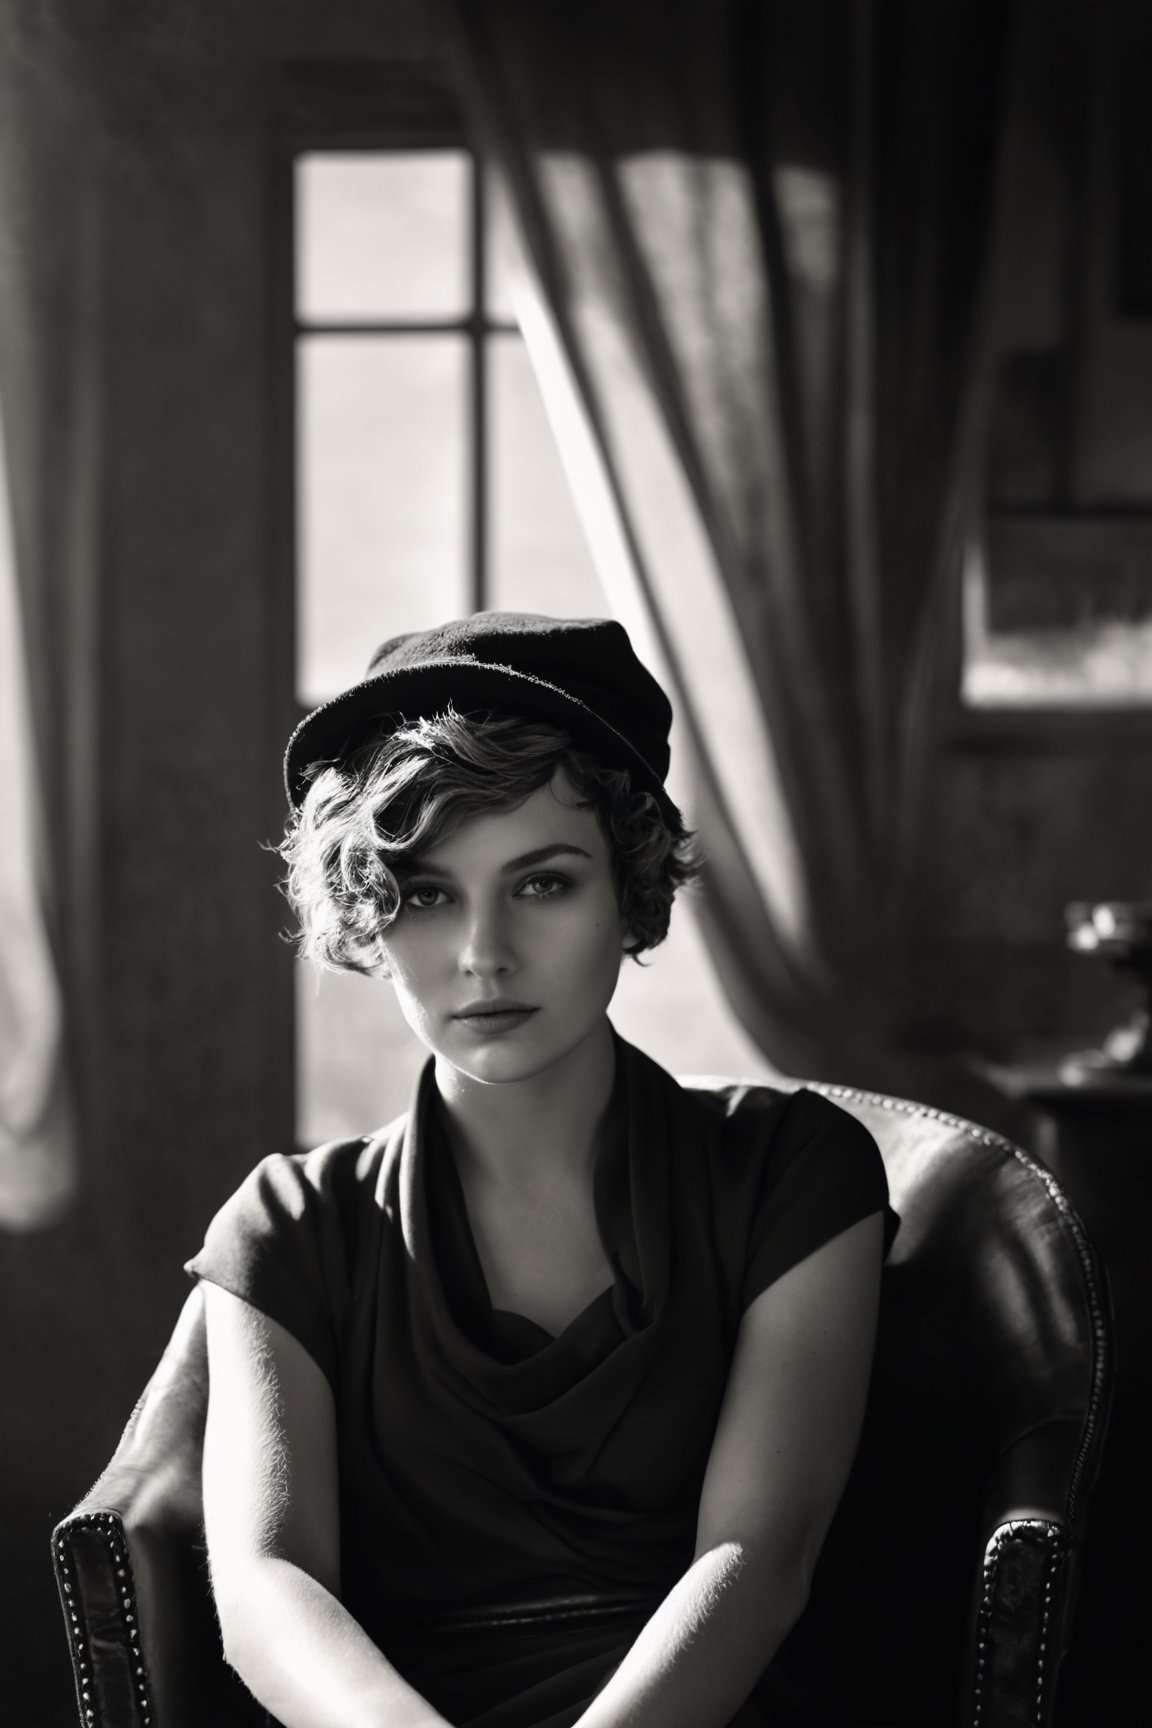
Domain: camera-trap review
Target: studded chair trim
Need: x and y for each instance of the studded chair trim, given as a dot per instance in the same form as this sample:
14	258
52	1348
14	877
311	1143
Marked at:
94	1575
1016	1654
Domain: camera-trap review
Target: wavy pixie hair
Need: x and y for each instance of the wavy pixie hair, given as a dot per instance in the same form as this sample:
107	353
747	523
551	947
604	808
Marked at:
405	789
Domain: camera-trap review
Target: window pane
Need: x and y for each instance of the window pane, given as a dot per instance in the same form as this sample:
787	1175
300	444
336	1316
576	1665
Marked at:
381	497
540	559
382	235
500	253
357	1058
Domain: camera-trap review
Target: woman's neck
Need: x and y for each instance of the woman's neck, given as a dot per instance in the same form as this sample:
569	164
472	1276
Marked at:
533	1131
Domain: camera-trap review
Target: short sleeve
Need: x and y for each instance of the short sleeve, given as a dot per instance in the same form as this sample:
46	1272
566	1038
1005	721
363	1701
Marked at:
823	1173
277	1244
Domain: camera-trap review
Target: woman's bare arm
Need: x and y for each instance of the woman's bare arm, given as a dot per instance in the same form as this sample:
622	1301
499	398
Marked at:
783	1448
270	1509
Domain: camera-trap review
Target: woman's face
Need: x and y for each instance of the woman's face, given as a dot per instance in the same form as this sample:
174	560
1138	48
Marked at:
507	947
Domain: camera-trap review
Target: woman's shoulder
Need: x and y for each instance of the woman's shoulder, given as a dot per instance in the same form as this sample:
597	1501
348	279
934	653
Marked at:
293	1239
334	1176
789	1169
756	1106
721	1111
347	1163
754	1133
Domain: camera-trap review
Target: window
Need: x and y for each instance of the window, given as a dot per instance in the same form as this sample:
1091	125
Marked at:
426	484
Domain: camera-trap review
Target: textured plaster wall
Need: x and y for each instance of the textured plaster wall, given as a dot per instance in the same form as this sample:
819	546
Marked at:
1019	827
180	1059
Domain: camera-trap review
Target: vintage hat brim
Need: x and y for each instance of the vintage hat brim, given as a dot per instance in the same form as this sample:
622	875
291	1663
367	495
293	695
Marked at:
419	691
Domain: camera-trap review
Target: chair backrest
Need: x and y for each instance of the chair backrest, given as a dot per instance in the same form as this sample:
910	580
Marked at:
944	1590
951	1562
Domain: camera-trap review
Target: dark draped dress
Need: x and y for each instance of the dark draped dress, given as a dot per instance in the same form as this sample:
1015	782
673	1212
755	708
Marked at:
487	1467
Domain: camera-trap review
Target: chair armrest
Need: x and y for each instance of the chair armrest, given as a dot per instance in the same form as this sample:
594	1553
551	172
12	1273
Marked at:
132	1571
1019	1625
94	1575
1025	1589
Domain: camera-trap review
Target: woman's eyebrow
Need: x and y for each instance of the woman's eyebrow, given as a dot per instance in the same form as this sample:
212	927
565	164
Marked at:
542	855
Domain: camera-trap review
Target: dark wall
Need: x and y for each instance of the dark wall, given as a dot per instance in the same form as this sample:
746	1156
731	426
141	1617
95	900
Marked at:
186	1044
1023	822
1033	810
182	1088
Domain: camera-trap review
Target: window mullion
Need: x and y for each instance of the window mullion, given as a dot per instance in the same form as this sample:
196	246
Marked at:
478	405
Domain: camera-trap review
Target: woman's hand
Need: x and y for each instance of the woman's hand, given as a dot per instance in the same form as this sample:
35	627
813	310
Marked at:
783	1448
272	1521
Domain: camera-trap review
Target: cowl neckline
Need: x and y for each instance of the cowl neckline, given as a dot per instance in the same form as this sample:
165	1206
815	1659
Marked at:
507	1357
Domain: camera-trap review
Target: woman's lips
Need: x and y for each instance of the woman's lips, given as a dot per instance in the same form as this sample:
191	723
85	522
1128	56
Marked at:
487	1021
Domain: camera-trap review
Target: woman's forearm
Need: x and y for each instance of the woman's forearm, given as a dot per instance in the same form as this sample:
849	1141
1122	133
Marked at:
705	1647
305	1658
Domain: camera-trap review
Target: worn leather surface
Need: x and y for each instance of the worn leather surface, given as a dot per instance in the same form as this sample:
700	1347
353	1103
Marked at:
988	1404
944	1589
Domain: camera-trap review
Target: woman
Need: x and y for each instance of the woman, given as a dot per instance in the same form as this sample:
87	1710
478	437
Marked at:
533	1408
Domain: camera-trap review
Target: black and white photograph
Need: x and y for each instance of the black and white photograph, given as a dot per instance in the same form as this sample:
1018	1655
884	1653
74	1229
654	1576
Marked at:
575	863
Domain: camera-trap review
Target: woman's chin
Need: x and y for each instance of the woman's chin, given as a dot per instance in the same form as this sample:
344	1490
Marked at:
495	1067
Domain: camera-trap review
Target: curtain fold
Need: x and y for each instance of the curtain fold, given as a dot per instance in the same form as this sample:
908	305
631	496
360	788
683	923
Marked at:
757	239
50	270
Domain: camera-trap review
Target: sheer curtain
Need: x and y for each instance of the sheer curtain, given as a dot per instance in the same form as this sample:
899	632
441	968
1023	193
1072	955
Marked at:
50	211
757	237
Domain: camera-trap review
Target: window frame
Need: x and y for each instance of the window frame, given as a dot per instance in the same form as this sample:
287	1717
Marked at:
1093	319
378	115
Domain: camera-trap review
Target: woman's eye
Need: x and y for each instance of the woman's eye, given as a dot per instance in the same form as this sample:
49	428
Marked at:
543	887
424	896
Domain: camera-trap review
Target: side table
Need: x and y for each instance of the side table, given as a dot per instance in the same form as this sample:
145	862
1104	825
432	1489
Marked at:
1095	1135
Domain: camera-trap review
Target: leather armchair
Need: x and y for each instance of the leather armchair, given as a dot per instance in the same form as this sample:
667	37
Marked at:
946	1588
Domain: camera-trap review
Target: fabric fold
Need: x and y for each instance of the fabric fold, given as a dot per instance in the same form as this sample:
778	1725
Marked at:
483	1461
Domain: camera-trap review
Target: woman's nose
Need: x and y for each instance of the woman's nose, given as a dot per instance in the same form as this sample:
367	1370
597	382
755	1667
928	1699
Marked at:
486	950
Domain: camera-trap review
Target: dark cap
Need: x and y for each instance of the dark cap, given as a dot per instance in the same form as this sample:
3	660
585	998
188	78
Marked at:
579	673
